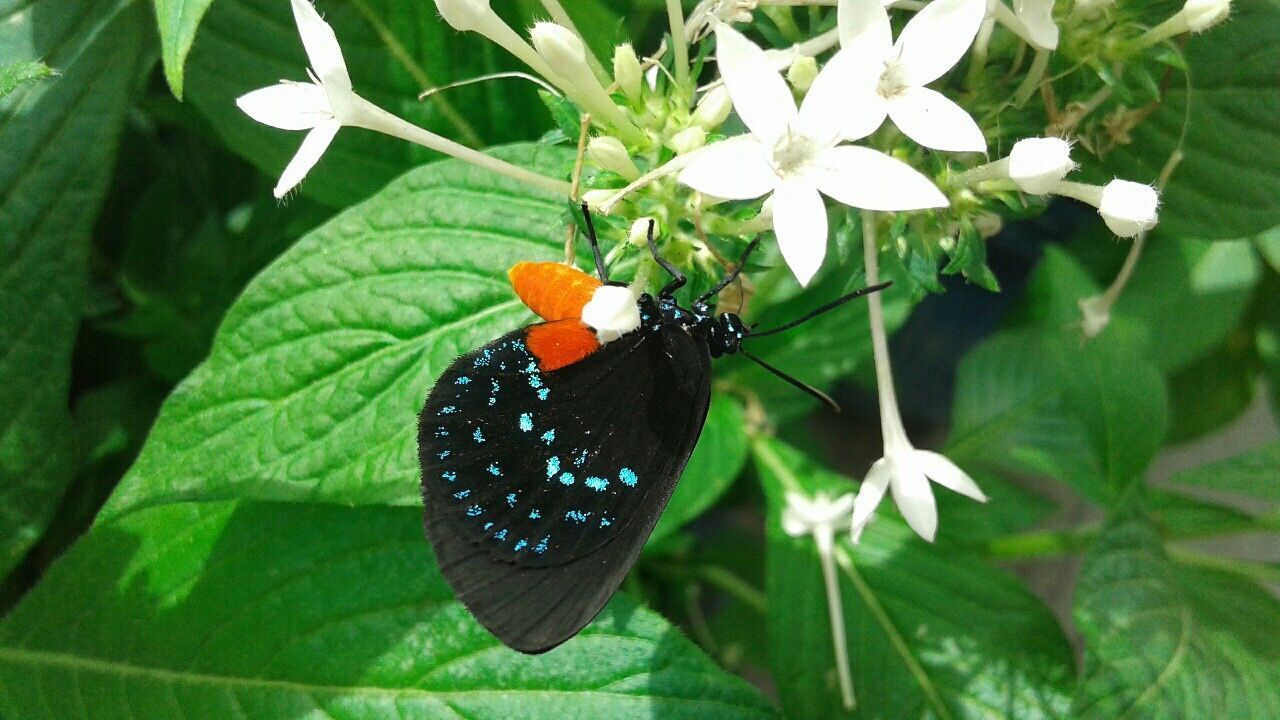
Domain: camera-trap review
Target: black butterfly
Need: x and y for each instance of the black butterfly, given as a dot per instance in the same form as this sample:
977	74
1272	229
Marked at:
541	485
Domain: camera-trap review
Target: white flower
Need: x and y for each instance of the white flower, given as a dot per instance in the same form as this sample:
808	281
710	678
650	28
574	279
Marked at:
321	106
892	77
793	155
714	108
904	470
820	517
610	154
626	71
688	140
465	15
1031	20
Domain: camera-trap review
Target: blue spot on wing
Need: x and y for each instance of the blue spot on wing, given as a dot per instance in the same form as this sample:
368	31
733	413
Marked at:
553	466
628	477
566	478
526	422
596	483
549	436
577	516
478	436
494	470
543	393
522	544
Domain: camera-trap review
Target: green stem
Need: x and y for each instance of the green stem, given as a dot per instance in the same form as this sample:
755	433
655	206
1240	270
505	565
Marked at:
1260	571
765	454
1050	543
675	15
732	585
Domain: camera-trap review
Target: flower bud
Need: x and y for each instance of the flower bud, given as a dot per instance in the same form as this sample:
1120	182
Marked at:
595	199
639	232
465	15
1037	164
802	72
1096	315
562	49
609	153
713	108
1200	15
626	71
1092	8
688	140
1128	208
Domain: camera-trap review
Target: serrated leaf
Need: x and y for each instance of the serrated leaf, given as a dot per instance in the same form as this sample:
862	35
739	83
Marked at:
1255	473
57	141
315	379
933	632
266	611
1228	182
1164	641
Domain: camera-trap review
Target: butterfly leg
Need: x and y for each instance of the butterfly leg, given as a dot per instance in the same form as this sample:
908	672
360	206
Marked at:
737	270
677	278
595	245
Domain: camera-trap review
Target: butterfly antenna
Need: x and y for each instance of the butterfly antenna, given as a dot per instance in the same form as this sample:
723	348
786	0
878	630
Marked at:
737	270
825	308
677	278
595	244
802	386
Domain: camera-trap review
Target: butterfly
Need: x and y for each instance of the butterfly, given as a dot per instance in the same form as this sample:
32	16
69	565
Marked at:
548	455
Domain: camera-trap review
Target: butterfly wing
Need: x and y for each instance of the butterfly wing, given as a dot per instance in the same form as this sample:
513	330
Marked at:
541	487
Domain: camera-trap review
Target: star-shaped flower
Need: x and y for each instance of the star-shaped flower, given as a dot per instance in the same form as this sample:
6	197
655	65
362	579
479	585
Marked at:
892	76
906	472
794	154
322	106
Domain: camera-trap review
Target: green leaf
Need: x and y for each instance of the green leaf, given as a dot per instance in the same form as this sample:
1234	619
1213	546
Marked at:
1163	641
1227	184
393	51
13	74
177	21
1255	473
1212	391
57	141
716	462
316	377
1268	244
933	632
219	610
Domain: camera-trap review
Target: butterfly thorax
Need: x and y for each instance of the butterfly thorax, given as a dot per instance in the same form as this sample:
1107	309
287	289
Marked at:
723	333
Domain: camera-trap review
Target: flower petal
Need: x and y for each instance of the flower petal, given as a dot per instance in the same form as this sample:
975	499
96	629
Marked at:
1037	18
864	178
869	497
737	168
759	93
940	469
800	223
914	498
864	31
937	37
322	46
841	100
287	105
313	146
931	119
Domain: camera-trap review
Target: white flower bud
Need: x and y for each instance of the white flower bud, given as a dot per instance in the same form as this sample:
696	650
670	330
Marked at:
1091	8
609	153
688	140
562	49
626	71
713	108
639	232
802	72
1200	15
595	199
1037	164
1128	208
465	15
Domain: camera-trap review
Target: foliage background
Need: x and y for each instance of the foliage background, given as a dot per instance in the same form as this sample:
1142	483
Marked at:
236	380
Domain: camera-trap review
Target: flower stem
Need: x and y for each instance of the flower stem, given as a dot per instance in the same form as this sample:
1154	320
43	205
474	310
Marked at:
823	538
1260	571
675	164
1032	81
675	15
372	117
891	429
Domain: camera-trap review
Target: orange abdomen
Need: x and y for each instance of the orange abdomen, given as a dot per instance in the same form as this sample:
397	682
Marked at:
552	290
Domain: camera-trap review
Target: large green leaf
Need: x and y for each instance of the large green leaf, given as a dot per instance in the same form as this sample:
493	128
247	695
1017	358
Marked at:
933	632
1228	182
394	50
1255	473
1162	641
271	611
315	379
57	141
177	21
16	73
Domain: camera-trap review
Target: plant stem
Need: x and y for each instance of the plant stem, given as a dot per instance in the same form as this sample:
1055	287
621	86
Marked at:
1050	543
1260	571
675	15
732	585
1035	74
